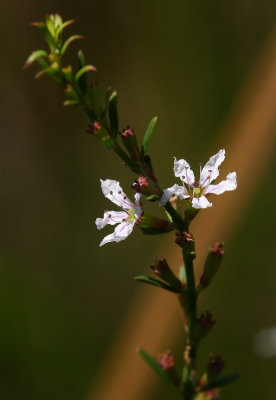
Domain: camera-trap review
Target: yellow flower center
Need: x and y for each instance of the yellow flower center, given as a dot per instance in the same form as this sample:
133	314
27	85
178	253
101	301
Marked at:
197	192
131	215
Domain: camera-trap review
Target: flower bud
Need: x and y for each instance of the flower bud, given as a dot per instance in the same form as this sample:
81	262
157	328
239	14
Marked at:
215	366
130	142
166	360
95	128
211	265
141	185
203	326
152	225
100	133
186	241
144	186
162	269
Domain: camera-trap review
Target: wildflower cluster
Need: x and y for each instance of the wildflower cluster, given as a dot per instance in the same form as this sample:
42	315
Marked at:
104	126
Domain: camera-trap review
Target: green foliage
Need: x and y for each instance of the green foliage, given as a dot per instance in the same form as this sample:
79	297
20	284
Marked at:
156	282
113	115
67	43
147	137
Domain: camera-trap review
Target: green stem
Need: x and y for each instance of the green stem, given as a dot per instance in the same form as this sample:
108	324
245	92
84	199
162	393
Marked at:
188	386
191	289
176	217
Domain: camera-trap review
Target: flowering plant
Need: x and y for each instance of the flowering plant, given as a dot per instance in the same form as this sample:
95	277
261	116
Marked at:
190	382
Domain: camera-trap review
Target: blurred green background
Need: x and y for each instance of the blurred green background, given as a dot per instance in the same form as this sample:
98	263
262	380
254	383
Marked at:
62	297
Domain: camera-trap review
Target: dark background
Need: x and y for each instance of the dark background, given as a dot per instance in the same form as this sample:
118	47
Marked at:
62	297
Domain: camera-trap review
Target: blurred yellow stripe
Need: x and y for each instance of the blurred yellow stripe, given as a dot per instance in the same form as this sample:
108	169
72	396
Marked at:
250	135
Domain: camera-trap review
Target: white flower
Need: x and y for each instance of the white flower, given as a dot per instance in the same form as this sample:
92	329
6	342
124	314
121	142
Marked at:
197	192
126	218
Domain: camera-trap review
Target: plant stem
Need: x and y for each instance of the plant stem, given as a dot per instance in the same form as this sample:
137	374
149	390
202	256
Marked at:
191	289
176	217
188	386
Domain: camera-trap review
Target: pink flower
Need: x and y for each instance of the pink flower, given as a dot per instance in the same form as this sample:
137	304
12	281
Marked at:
197	192
126	218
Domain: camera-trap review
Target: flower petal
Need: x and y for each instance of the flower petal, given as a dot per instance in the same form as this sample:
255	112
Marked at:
111	218
201	202
120	233
179	191
113	191
229	184
183	171
210	170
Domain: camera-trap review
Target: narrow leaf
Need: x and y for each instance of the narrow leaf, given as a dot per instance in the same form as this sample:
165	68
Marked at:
64	25
71	102
46	33
156	231
224	380
34	56
69	41
94	97
81	59
82	79
155	282
84	70
106	102
147	136
48	71
155	366
113	114
50	24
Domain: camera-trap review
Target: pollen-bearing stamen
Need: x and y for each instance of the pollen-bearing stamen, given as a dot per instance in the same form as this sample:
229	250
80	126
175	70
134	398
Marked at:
197	192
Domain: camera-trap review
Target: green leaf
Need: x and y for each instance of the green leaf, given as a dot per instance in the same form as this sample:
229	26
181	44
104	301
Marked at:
35	56
50	24
45	32
156	231
69	41
48	71
106	102
147	137
82	79
84	70
224	380
155	282
94	97
62	26
71	102
113	114
155	366
81	59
